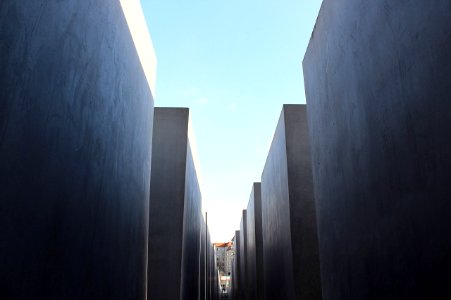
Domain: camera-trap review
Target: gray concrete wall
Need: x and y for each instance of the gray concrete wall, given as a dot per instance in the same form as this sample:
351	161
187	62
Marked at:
377	78
167	202
233	280
203	262
75	149
214	274
211	269
192	228
215	285
254	238
236	268
215	278
176	229
243	258
290	245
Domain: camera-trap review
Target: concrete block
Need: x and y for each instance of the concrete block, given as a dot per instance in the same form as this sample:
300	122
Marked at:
215	278
203	261
243	257
212	288
191	232
377	78
254	240
236	268
75	150
290	245
175	217
215	285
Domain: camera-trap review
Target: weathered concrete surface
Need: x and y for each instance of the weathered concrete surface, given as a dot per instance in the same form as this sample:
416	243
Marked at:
254	238
243	257
236	268
75	150
290	244
191	232
203	262
212	279
215	284
167	202
176	226
377	78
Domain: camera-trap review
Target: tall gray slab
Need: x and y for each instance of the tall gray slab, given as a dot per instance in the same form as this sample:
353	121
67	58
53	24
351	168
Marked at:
254	240
236	268
377	78
167	202
203	262
290	243
75	150
175	217
214	274
215	283
192	226
207	260
211	267
233	280
243	257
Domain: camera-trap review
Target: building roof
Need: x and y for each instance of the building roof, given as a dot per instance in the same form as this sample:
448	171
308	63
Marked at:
223	245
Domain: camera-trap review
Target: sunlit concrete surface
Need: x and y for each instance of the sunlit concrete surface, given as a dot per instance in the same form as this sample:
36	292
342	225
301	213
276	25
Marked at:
141	38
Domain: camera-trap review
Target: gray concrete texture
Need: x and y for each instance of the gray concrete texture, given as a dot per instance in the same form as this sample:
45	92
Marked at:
243	257
75	149
236	268
233	280
215	279
377	78
176	226
233	283
254	253
191	232
212	279
203	264
167	202
290	243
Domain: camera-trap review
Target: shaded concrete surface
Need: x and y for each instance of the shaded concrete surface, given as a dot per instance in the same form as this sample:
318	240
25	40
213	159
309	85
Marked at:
243	257
75	149
236	268
167	202
203	264
192	227
212	277
377	78
254	237
290	245
177	229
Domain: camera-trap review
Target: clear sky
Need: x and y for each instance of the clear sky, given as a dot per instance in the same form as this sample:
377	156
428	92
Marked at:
234	64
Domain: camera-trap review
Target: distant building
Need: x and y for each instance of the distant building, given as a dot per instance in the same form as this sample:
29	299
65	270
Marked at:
224	257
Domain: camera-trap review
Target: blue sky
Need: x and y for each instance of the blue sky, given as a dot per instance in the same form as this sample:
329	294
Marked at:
234	64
